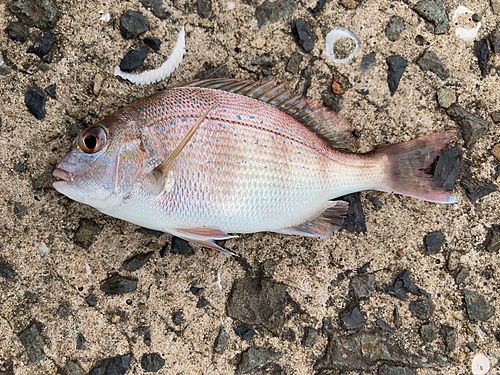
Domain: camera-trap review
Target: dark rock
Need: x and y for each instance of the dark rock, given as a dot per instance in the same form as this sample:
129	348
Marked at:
420	40
397	65
143	331
383	325
494	39
178	317
6	271
476	306
352	319
134	59
153	43
196	291
202	302
181	247
137	261
473	127
368	61
447	168
19	210
51	90
434	11
396	317
156	7
117	284
254	358
309	338
462	275
422	309
362	286
495	116
63	311
73	368
118	365
44	45
320	4
20	167
258	302
133	24
433	242
303	34
482	53
80	341
394	28
293	64
403	284
17	31
476	190
38	13
273	11
265	64
430	62
355	218
86	233
450	337
152	362
429	332
386	369
210	71
150	232
204	8
221	341
35	100
244	331
91	300
492	242
33	342
471	345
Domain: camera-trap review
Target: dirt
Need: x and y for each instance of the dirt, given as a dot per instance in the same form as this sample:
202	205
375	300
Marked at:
46	276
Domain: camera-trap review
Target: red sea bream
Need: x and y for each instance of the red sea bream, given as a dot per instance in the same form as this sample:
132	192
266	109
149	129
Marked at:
223	156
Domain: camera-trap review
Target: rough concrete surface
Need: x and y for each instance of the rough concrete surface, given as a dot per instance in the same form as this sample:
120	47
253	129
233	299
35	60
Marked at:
74	300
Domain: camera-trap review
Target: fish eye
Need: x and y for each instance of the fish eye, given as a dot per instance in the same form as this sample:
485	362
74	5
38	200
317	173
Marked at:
92	140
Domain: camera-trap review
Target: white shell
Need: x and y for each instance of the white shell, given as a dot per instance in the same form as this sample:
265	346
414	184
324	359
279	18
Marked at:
465	33
334	36
480	364
164	71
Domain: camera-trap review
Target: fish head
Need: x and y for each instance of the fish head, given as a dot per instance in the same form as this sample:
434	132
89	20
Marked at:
101	166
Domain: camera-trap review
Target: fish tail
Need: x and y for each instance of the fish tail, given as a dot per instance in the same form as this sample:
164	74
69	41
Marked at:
407	165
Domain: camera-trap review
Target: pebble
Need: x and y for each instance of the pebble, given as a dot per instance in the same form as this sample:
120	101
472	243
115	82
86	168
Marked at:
450	337
340	83
86	233
473	127
430	62
476	306
33	342
293	64
256	357
6	271
204	8
134	59
221	341
349	4
309	338
97	86
35	100
434	11
368	61
133	24
152	362
181	247
394	28
202	303
137	261
153	43
19	210
352	319
156	7
42	14
471	345
492	242
446	97
80	341
196	291
117	284
403	284
355	217
303	34
273	11
17	31
362	286
422	309
495	39
118	365
447	167
386	369
320	4
383	325
72	368
433	242
397	66
51	90
475	190
462	275
178	317
429	332
483	54
91	300
44	45
244	331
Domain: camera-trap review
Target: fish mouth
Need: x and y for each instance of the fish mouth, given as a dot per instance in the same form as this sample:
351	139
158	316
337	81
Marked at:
62	175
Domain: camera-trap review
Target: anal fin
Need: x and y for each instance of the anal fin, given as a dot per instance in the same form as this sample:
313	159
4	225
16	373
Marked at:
324	225
205	237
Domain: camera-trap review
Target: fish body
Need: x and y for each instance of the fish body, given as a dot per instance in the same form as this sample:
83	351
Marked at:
253	164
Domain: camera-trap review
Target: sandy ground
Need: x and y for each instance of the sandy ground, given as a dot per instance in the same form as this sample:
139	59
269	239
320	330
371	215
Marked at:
314	271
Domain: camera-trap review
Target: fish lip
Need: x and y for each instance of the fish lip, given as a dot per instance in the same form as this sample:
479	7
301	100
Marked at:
63	175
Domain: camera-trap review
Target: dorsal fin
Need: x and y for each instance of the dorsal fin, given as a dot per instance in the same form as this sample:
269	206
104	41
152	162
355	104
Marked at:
328	125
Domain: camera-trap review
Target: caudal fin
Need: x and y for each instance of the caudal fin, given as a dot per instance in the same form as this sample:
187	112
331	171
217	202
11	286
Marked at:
407	164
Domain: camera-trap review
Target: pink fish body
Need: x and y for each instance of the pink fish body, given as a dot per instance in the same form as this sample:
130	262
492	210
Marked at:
251	165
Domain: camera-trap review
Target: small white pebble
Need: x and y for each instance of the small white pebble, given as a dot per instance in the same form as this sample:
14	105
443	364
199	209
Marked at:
105	17
42	249
231	5
88	270
480	364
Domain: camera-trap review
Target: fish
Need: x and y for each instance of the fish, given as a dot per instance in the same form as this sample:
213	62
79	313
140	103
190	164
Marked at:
210	159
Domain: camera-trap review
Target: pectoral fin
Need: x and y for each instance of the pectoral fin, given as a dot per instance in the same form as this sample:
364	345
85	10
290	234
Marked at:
204	237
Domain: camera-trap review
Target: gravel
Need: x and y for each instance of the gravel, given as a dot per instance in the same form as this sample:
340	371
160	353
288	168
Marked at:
35	100
477	307
309	337
17	31
433	242
204	8
273	11
156	7
152	362
394	28
482	54
446	97
42	14
362	286
44	45
397	66
430	62
118	284
352	319
256	357
221	341
86	233
6	271
133	24
303	34
137	261
134	59
422	309
434	11
33	342
473	127
118	365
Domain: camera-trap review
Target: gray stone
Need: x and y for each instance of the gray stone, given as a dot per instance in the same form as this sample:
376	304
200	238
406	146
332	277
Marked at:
475	190
35	100
293	64
156	7
255	357
118	365
477	307
447	168
422	308
368	61
117	284
430	62
38	13
383	325
221	341
446	97
20	210
495	39
133	24
80	341
492	242
303	34
433	242
462	275
273	11
72	368
204	8
473	127
137	261
495	116
244	331
362	286
386	369
134	59
91	300
482	51
181	247
394	28
403	284
449	337
33	342
178	317
6	271
152	362
44	45
309	338
86	233
429	332
434	11
397	66
352	319
17	31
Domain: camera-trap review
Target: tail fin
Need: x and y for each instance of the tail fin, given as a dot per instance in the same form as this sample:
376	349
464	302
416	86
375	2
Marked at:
407	164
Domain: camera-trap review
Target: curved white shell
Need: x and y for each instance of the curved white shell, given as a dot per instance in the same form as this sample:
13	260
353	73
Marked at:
480	364
334	36
466	33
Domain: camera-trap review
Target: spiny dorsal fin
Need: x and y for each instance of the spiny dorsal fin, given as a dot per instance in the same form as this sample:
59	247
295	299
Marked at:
329	125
